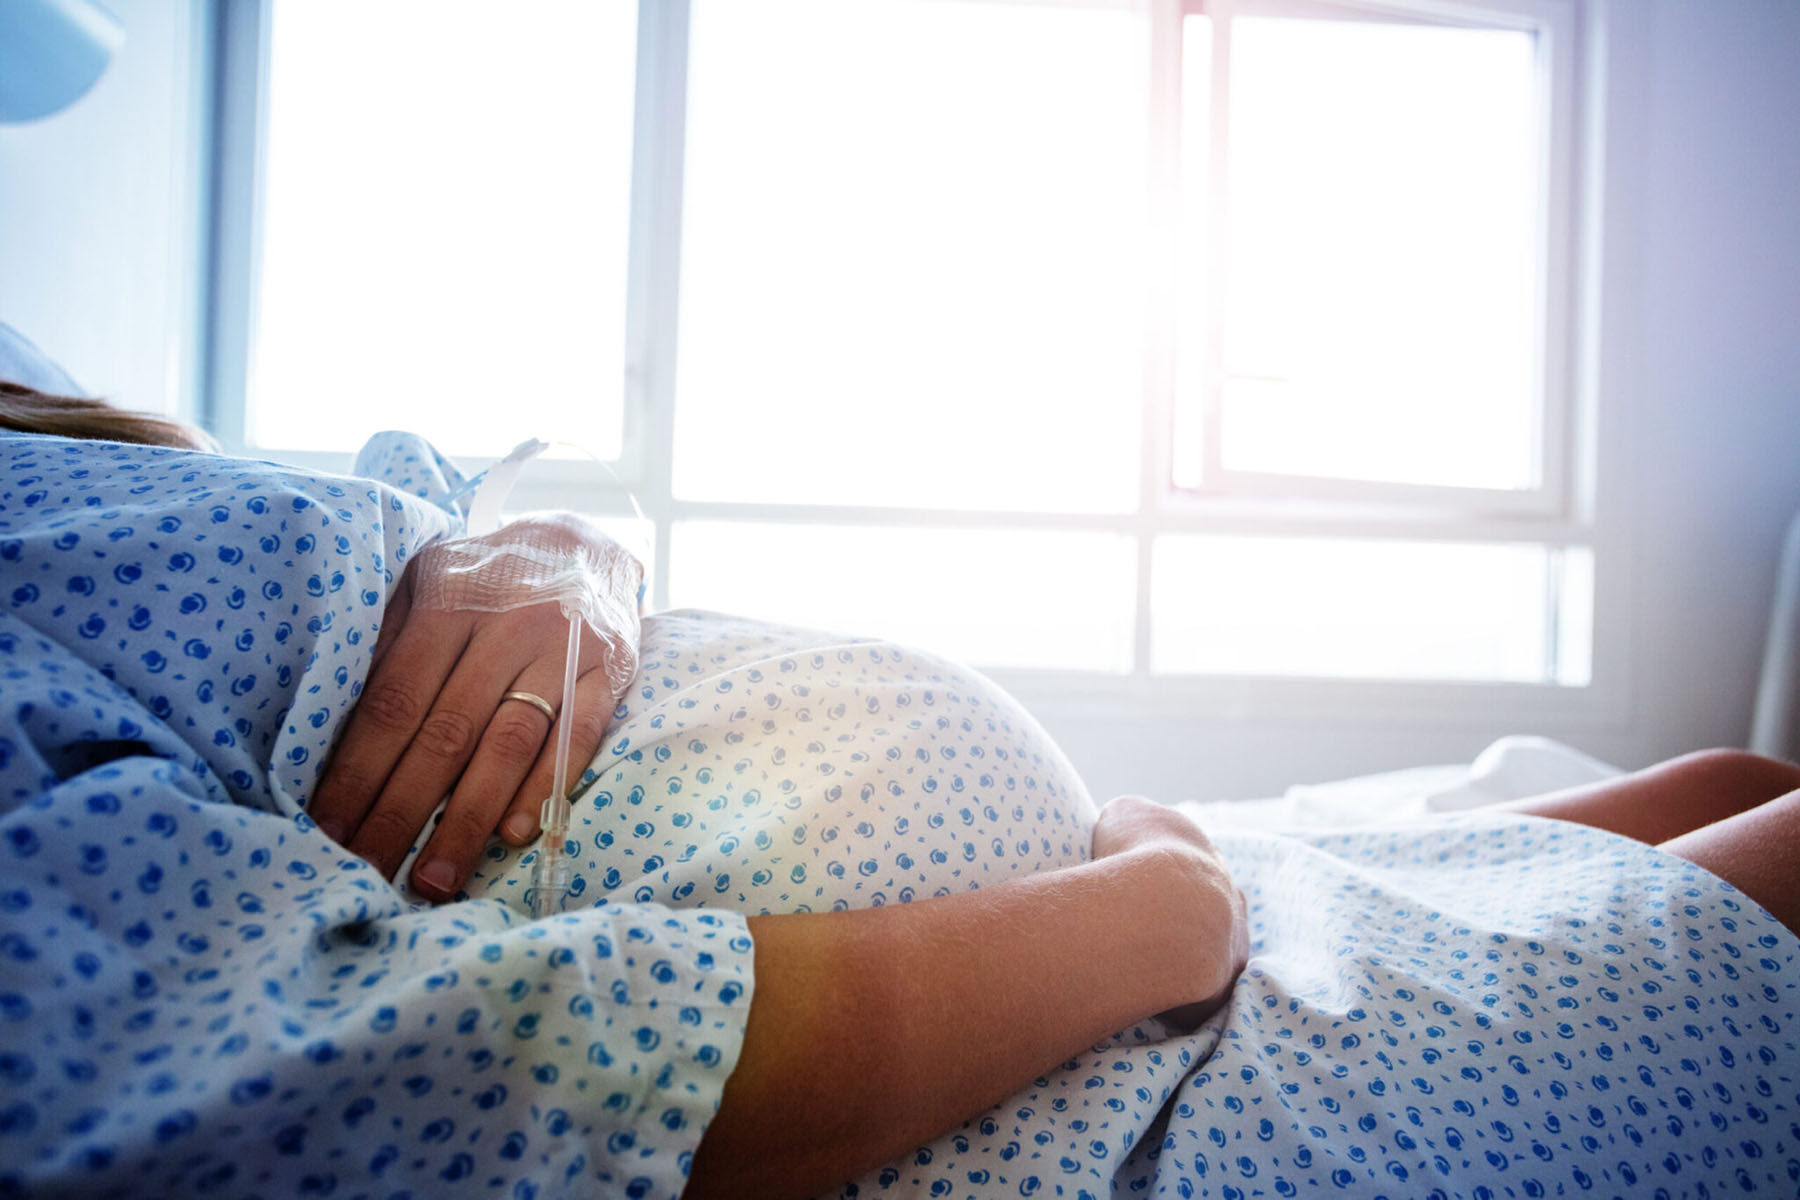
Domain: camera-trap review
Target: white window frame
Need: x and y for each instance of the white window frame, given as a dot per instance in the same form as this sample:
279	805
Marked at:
1559	513
1552	25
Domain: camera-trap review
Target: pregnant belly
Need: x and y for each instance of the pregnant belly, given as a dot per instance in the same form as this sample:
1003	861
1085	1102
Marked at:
769	769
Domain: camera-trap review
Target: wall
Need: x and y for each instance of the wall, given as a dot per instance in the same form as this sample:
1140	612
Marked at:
96	207
1718	426
1699	366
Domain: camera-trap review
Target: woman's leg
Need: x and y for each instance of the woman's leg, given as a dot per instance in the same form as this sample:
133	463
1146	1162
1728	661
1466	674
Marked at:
1736	814
1672	798
1757	852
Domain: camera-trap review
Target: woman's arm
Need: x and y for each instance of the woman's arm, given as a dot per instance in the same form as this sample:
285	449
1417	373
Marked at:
873	1031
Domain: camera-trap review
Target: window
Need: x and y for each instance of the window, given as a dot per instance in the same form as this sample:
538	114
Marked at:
941	261
433	258
1114	345
1374	215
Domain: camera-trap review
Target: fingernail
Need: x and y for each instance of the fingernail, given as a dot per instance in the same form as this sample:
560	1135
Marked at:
438	875
519	827
332	830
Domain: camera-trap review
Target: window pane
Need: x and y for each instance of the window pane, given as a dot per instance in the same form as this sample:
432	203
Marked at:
987	597
910	259
1384	257
1352	609
446	255
1575	628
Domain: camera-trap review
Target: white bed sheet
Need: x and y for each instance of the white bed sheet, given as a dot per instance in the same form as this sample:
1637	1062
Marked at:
1509	769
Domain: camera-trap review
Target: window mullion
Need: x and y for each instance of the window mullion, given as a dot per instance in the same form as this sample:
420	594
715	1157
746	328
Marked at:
653	304
1217	241
1556	413
1553	614
1161	294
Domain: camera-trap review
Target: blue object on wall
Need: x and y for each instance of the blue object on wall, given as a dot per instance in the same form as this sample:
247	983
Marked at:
51	53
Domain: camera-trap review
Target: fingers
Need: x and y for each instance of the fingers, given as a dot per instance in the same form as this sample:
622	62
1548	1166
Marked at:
467	706
433	721
515	736
1223	966
1130	821
512	771
393	705
594	703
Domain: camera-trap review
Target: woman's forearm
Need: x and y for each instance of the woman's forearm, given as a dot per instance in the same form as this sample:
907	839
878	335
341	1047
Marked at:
875	1030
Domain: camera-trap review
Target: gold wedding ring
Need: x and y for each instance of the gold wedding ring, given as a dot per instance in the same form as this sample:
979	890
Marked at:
536	701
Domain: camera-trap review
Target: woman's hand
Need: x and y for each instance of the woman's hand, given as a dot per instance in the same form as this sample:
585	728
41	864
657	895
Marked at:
1132	823
873	1031
433	720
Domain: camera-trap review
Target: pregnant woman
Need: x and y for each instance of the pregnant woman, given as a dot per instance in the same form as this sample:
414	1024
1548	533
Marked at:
1486	1001
201	990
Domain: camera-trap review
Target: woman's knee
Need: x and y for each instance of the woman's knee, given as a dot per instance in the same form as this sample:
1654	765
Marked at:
1739	774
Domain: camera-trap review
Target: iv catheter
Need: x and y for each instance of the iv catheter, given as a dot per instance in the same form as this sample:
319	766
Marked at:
550	874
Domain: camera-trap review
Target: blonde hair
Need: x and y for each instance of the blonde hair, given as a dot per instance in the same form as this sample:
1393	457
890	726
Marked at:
27	410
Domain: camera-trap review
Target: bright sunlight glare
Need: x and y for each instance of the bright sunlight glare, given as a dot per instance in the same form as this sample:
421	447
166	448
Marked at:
1007	598
1383	218
910	255
1343	608
447	256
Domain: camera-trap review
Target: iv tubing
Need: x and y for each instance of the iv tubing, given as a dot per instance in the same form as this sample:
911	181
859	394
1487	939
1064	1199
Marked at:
551	871
550	876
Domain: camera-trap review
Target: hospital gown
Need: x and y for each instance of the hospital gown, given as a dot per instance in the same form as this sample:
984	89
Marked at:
197	983
1481	1005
